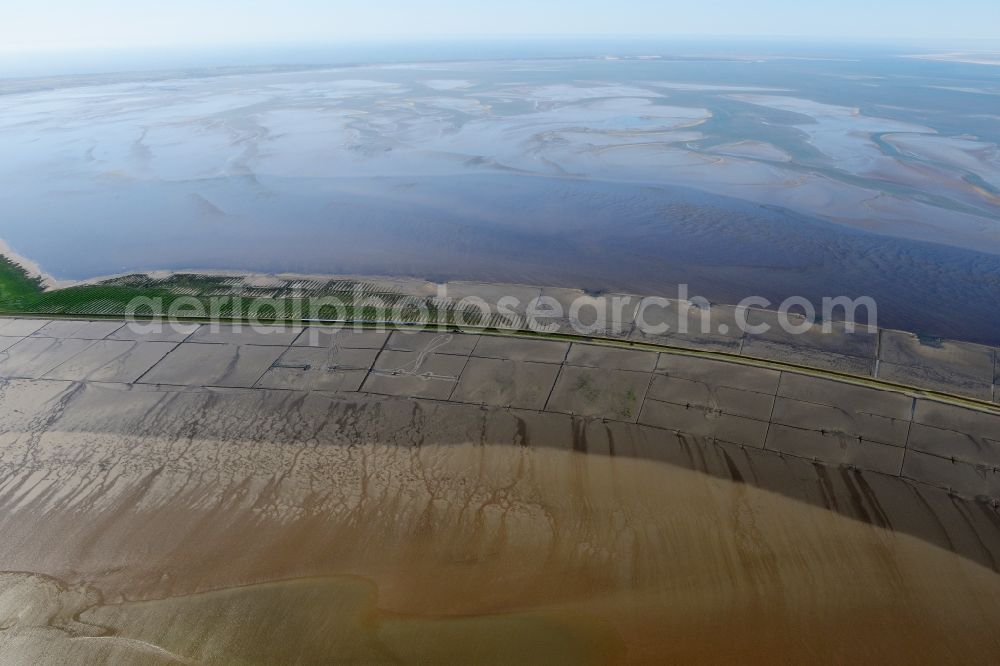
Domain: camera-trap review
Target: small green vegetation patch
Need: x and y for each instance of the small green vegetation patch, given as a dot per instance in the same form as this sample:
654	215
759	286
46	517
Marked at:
212	297
15	281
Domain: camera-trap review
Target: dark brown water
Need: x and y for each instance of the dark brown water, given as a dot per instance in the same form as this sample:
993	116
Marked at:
249	527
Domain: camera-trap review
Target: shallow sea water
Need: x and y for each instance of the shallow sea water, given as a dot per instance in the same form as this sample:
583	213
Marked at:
465	554
852	174
151	525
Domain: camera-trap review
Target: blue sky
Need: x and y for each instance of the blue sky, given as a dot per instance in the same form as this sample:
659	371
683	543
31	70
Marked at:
126	23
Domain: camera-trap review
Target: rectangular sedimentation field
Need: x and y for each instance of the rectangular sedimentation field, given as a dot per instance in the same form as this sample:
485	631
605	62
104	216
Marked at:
783	412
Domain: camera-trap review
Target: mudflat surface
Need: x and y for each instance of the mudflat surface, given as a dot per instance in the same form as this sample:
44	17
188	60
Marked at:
330	495
156	525
818	419
866	174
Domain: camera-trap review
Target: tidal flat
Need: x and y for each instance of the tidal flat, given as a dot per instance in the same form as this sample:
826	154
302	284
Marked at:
208	496
740	176
189	525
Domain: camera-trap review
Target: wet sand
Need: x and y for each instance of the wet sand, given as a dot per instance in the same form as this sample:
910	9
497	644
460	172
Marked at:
206	528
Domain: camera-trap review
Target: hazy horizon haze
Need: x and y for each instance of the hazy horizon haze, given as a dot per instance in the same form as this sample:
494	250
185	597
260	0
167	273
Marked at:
66	25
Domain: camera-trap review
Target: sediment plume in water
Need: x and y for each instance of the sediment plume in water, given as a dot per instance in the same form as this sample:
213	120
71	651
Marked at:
296	537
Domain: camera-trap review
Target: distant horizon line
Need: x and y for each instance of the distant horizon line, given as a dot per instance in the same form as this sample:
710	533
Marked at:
981	44
43	61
